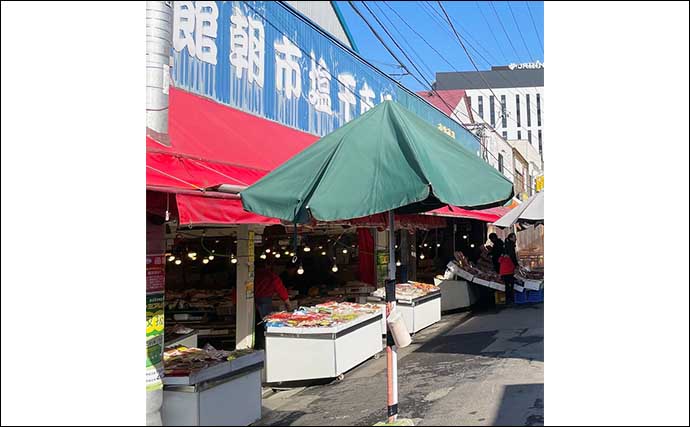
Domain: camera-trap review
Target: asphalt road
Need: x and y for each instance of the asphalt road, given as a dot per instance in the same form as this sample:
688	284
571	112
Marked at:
483	369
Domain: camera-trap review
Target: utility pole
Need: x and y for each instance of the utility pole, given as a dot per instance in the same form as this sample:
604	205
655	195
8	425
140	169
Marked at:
159	18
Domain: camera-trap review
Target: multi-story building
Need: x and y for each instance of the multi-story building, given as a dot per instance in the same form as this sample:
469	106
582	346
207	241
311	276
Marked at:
508	98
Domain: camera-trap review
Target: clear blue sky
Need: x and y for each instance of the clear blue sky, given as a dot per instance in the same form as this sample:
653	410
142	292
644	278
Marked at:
476	22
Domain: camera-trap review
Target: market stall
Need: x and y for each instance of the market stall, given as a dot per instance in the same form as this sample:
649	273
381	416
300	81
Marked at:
419	304
211	387
456	292
323	341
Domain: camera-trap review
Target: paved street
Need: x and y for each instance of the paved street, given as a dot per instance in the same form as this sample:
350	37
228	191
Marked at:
485	369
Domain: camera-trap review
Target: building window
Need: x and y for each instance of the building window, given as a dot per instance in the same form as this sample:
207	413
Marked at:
504	116
519	135
529	110
529	136
480	102
500	163
519	182
492	111
539	136
517	109
505	135
529	185
538	110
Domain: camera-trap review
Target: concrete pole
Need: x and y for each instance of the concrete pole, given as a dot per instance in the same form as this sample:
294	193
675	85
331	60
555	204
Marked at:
155	244
391	349
159	19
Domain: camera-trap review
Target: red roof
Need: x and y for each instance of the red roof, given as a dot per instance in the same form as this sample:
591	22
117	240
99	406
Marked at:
451	97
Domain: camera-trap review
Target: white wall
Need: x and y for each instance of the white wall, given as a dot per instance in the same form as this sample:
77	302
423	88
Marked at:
511	110
497	145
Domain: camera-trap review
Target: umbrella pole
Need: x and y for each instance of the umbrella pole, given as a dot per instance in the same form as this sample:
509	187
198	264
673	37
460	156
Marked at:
391	350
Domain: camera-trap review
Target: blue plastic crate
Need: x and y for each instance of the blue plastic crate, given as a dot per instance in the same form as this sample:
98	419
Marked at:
520	297
535	296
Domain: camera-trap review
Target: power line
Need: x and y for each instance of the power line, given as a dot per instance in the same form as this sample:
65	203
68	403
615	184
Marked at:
258	13
428	69
415	67
467	35
465	49
517	56
535	26
498	72
505	58
520	31
460	39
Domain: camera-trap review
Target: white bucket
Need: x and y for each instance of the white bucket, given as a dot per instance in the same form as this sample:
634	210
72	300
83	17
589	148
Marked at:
398	330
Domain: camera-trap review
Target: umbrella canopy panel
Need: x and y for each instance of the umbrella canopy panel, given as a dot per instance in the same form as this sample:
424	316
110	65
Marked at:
386	159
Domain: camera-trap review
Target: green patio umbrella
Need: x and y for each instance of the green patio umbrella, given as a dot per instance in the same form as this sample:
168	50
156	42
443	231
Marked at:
386	160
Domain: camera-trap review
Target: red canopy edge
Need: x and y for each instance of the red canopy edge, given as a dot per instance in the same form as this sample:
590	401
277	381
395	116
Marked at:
204	210
486	215
171	170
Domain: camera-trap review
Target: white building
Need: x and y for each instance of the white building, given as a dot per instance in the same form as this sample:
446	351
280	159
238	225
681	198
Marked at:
509	99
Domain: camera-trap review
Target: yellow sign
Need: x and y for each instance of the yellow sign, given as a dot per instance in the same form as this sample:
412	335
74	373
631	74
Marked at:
539	183
446	130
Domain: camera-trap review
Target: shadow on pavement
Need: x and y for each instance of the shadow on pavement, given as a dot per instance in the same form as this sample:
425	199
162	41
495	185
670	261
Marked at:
521	405
287	419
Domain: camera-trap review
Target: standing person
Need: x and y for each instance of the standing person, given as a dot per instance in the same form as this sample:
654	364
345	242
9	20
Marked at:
508	264
497	249
266	284
511	248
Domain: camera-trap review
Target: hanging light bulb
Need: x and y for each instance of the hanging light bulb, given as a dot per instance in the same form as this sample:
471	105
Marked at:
277	254
171	258
421	256
307	249
345	250
262	256
464	236
191	255
334	268
287	252
211	257
292	254
438	245
217	241
205	260
213	251
300	270
472	245
178	261
268	251
426	245
396	246
398	263
320	247
233	260
323	253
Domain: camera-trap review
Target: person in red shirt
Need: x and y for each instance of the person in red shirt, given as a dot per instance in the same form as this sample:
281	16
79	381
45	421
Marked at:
266	284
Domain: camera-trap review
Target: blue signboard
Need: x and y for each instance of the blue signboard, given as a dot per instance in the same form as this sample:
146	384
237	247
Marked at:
265	59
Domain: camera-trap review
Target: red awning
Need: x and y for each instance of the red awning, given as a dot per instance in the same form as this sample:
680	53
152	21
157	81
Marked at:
486	215
206	130
209	145
168	170
205	210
